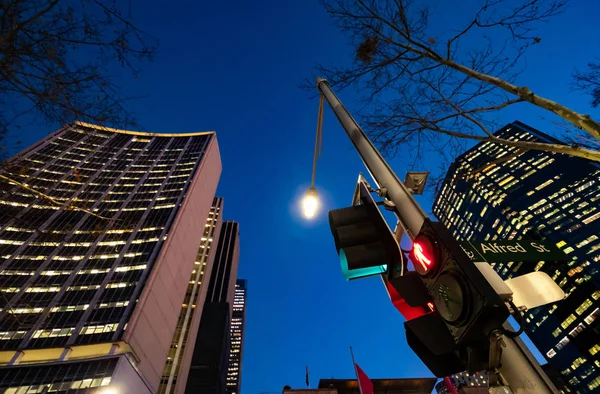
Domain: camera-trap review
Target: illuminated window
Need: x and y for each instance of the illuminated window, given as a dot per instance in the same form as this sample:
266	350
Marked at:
562	343
591	218
583	307
568	321
556	332
577	363
99	329
592	316
53	333
42	289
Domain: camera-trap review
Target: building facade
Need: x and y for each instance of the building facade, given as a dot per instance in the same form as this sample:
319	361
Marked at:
96	250
210	358
174	377
236	351
494	192
464	380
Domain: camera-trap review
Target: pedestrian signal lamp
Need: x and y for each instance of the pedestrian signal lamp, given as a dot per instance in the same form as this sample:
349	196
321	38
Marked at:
423	255
363	240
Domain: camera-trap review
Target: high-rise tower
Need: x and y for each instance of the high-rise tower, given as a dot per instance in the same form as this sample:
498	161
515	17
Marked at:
174	376
99	231
210	359
236	350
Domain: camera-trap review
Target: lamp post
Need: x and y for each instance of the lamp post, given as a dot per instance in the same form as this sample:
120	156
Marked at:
310	202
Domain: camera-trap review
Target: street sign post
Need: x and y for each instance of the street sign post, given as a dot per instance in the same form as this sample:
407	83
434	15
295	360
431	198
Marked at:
505	251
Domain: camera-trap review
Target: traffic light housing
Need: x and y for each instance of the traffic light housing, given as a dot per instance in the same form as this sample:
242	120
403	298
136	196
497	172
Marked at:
429	338
464	299
363	239
406	290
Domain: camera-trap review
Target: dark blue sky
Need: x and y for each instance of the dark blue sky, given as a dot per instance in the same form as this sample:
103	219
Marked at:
234	67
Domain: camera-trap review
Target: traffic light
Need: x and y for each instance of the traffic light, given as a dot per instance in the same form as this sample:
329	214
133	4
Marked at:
363	239
464	299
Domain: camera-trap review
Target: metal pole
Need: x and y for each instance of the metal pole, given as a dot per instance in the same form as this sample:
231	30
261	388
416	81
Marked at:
318	137
519	368
411	213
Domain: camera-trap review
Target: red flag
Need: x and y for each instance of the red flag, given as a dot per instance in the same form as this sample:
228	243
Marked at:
364	383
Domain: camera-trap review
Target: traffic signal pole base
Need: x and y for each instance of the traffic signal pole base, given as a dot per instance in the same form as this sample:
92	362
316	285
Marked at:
521	370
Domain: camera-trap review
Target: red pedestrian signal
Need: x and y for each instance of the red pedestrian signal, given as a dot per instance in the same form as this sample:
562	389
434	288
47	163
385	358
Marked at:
423	255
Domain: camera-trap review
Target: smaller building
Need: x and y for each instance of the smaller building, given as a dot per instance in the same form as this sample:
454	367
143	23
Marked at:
380	386
465	380
440	388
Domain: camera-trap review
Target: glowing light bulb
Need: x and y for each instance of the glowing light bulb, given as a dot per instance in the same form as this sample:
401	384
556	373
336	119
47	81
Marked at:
310	203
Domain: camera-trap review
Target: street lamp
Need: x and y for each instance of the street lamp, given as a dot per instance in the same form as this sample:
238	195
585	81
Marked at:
310	202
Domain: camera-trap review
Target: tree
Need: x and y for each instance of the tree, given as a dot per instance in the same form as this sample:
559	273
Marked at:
431	90
589	82
56	58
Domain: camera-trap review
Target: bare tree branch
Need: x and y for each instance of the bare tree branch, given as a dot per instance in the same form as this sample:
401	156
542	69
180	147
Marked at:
55	56
430	93
68	206
589	82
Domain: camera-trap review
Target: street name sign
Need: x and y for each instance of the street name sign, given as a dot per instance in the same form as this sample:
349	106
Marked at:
505	251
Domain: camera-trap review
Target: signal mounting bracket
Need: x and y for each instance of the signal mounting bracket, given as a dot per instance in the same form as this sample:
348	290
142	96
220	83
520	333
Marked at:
496	345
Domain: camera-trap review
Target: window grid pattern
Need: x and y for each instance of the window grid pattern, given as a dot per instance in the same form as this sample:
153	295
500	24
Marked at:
497	192
71	377
192	298
71	277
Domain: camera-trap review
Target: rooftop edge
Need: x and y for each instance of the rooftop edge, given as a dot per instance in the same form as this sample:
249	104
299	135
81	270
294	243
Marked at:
141	133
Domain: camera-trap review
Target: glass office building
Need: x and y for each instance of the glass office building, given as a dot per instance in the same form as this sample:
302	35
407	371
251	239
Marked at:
99	231
495	192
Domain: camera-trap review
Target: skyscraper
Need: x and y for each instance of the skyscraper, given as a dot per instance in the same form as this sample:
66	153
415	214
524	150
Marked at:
210	359
99	231
174	376
499	192
236	351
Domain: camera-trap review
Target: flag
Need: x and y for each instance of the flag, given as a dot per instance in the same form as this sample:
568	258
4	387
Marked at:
364	383
307	384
